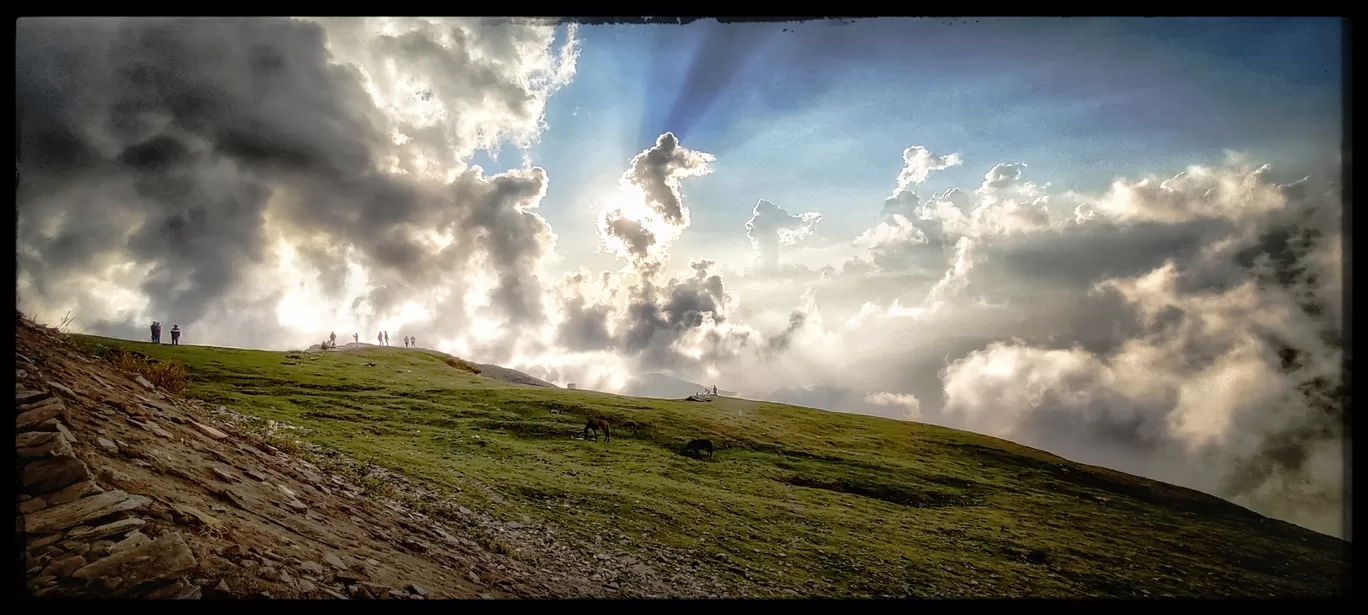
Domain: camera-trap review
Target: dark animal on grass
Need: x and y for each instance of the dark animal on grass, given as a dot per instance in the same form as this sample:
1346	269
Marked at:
595	425
630	425
696	448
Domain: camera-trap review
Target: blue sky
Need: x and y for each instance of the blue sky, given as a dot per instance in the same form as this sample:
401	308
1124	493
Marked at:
815	119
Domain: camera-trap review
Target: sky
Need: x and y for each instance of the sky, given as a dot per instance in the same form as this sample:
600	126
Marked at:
1115	239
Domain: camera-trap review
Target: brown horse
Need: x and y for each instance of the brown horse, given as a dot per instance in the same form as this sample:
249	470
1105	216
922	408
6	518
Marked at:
595	425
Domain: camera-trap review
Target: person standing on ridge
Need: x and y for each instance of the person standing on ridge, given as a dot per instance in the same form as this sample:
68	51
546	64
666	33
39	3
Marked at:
332	339
386	338
154	332
356	337
414	341
175	335
379	339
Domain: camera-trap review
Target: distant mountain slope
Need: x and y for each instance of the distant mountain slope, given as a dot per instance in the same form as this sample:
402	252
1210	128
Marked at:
665	387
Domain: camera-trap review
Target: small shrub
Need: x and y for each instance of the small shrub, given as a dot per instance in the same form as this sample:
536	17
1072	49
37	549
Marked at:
463	365
169	375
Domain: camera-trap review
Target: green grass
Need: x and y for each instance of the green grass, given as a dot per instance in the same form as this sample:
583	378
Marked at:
821	503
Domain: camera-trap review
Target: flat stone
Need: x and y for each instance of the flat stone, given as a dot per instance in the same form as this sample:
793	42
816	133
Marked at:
346	577
209	431
176	590
417	589
32	505
286	578
24	397
63	568
161	433
108	445
38	543
225	476
257	475
71	514
312	568
333	560
134	540
100	548
334	594
66	391
53	473
142	382
164	558
296	504
306	586
32	415
287	491
74	492
223	586
43	444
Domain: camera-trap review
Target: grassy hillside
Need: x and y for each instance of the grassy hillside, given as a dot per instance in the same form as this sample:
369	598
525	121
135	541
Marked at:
812	502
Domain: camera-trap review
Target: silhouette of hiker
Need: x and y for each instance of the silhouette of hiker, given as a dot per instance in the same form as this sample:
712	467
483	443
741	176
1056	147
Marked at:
386	338
332	339
414	341
714	390
356	337
154	331
175	335
379	339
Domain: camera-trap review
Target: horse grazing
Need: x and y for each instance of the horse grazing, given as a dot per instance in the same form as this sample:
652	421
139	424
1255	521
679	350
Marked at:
696	447
595	425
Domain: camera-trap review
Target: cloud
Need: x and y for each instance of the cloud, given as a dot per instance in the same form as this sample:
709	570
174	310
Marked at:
214	148
1234	367
771	227
650	212
907	403
918	163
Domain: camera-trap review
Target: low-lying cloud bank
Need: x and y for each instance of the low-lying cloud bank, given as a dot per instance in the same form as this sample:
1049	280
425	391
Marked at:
252	178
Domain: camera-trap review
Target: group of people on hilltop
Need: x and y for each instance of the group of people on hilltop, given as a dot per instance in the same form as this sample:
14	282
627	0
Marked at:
381	338
157	331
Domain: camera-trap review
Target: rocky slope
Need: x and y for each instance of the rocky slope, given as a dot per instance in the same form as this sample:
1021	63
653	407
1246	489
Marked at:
127	491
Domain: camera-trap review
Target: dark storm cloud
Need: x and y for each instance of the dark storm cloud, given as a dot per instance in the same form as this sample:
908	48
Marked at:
161	142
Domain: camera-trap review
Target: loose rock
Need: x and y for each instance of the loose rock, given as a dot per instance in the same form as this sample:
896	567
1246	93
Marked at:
33	415
164	558
75	513
53	473
32	505
224	475
108	445
209	431
68	392
64	567
35	444
333	560
134	540
73	492
177	590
